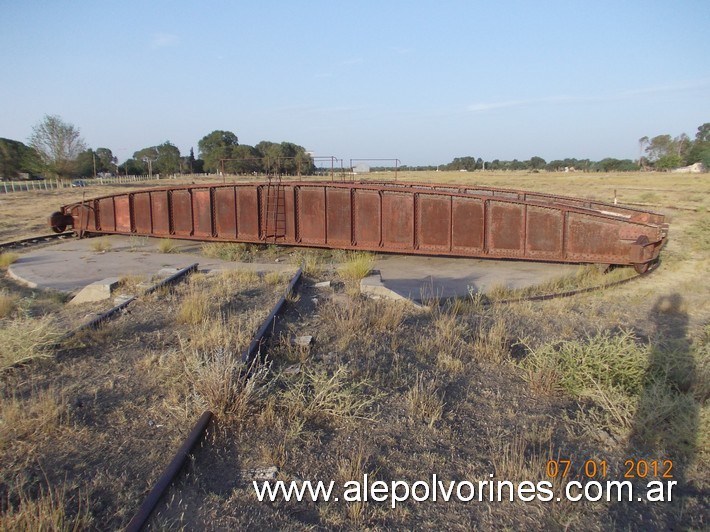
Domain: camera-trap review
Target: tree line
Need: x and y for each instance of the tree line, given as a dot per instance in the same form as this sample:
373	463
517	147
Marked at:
56	149
660	153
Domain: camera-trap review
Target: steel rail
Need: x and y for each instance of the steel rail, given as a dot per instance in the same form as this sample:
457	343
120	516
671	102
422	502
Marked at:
576	291
146	509
166	479
35	240
270	322
98	320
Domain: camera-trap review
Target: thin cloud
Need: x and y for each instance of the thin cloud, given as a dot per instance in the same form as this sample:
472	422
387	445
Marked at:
353	61
481	107
163	40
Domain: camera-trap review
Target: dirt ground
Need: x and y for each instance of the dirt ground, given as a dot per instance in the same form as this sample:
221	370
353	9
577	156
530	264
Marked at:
462	390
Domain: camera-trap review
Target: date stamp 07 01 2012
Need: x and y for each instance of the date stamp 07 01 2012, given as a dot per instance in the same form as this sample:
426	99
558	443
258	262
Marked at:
632	469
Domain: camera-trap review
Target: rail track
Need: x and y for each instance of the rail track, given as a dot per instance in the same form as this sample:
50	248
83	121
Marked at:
175	466
173	470
25	243
143	515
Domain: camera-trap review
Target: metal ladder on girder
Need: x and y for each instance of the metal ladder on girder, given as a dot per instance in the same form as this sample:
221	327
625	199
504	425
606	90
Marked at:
275	212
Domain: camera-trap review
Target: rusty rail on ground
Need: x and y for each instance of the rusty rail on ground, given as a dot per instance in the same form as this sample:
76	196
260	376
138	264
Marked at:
270	322
171	472
34	240
409	218
166	479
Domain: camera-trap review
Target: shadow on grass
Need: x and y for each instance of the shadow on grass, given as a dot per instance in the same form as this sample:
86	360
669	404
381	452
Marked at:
664	432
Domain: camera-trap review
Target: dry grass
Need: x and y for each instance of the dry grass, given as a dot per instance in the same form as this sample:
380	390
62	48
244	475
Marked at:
425	401
223	384
7	258
101	244
356	266
318	396
226	332
194	307
167	245
491	343
274	278
228	251
8	303
311	261
34	418
52	510
25	339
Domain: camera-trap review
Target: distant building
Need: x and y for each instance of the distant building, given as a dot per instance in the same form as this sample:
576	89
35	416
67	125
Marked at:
697	168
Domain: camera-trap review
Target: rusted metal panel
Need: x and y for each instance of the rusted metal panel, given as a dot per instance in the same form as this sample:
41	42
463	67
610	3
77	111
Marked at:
247	213
202	212
107	216
505	228
123	213
396	217
181	201
338	216
142	213
290	213
544	233
592	239
397	220
225	213
311	214
367	218
161	212
434	222
468	223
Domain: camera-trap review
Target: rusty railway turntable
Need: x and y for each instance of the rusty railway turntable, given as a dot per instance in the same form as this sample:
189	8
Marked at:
409	218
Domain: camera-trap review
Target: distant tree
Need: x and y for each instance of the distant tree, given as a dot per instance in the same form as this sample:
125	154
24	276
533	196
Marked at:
58	144
85	163
643	142
105	160
615	165
16	158
537	163
168	161
247	160
187	164
148	156
271	153
132	167
467	163
216	146
699	152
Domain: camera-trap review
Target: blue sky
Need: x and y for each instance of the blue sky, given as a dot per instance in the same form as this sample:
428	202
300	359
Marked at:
422	81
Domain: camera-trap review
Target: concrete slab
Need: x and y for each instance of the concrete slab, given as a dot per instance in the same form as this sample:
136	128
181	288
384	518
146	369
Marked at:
418	277
70	266
96	291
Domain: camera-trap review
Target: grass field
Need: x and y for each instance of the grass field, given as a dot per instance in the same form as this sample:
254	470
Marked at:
463	389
